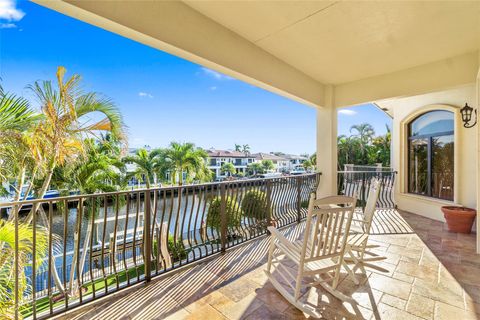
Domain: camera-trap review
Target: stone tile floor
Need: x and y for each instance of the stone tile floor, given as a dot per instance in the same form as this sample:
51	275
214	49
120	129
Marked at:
432	274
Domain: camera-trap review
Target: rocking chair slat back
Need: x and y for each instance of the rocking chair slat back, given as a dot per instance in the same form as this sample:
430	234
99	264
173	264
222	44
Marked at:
371	204
326	230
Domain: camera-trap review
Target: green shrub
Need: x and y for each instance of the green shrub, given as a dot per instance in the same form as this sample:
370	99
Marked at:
304	204
177	250
233	211
254	204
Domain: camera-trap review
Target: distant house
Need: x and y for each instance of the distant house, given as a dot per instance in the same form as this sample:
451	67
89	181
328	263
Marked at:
281	164
239	160
294	160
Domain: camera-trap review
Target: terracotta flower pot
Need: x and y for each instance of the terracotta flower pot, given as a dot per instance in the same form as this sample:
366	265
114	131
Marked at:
459	219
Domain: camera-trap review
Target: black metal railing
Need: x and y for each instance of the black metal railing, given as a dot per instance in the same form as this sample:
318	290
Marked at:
101	243
357	183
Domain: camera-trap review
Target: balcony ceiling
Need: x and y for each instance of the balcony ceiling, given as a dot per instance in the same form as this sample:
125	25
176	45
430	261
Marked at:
320	53
340	42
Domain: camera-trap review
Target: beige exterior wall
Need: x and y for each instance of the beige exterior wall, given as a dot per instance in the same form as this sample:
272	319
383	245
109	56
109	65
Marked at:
404	110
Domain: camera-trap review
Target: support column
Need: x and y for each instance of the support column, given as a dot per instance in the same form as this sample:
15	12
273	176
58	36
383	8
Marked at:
327	145
477	128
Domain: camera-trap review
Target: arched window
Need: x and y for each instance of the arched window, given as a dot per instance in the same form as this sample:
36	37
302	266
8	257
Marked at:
431	154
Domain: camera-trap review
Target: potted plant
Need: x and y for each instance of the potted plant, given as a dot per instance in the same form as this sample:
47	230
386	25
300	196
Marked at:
459	219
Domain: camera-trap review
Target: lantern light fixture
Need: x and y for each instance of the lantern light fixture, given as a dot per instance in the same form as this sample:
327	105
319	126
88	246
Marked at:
467	113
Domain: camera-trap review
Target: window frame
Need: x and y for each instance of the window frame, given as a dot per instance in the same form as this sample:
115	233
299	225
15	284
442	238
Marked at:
429	138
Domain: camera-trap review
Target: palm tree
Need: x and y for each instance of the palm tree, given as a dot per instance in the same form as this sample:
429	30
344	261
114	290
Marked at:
246	149
364	131
16	120
238	147
148	165
307	164
186	158
25	247
58	139
228	168
313	159
100	170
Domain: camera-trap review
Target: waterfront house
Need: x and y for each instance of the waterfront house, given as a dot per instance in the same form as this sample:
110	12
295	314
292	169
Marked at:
281	164
218	158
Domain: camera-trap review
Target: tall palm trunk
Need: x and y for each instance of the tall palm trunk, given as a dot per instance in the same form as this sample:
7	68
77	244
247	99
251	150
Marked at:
37	207
18	192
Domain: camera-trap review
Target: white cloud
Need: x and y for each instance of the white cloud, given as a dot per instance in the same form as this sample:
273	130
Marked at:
347	112
213	88
8	26
216	75
145	94
9	11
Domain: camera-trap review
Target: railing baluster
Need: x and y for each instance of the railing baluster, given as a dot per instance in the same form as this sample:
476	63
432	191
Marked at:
64	260
147	246
103	242
299	200
269	202
50	254
17	267
92	203
223	218
127	213
113	246
34	266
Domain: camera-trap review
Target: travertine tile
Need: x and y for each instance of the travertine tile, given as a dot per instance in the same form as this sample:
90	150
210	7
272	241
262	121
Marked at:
404	277
420	306
242	308
417	271
445	311
394	301
391	286
391	313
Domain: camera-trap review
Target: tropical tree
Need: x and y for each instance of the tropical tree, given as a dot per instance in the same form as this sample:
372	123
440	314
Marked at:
307	164
185	158
267	165
246	149
25	247
380	149
228	168
313	159
16	121
238	147
58	138
148	165
364	131
363	148
255	168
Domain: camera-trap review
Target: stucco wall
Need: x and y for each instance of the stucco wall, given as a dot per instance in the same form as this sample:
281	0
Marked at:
403	110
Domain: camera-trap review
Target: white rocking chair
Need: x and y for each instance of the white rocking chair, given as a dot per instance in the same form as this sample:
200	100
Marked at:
357	243
319	256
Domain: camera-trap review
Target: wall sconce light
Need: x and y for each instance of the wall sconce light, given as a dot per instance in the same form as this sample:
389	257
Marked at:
467	112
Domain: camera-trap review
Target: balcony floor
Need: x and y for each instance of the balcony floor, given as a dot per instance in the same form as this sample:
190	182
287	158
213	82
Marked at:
432	274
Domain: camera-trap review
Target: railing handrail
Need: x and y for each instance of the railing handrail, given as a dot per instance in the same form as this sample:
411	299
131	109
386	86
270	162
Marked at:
384	171
142	190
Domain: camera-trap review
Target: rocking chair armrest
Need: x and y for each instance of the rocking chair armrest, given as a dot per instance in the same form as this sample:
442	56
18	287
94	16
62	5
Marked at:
275	233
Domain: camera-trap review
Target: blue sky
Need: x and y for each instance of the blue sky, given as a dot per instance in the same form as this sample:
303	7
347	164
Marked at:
163	98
